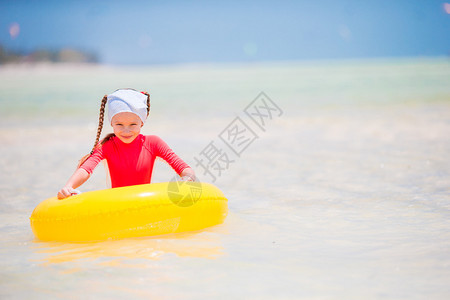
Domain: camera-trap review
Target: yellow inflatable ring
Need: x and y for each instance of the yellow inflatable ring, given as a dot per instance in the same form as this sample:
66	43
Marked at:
134	211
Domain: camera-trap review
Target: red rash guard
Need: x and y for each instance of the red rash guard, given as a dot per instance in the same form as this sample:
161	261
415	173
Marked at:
132	164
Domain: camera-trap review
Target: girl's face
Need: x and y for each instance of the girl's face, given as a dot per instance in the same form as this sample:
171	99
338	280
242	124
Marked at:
126	126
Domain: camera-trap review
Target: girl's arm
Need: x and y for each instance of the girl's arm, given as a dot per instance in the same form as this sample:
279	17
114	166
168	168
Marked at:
188	174
162	150
78	178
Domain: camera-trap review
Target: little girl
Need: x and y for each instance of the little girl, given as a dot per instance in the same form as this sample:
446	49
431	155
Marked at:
129	155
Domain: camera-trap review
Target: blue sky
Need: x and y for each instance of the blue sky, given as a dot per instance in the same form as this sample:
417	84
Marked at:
153	32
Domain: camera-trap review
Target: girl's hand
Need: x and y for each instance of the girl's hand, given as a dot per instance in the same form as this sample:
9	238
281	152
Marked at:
78	178
188	175
187	178
67	192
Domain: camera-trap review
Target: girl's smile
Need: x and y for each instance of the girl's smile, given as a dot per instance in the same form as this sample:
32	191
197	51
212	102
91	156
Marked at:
126	126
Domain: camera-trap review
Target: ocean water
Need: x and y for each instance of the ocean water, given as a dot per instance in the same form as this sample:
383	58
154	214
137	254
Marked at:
342	193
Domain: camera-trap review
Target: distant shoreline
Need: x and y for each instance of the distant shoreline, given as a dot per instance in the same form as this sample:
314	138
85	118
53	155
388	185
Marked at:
64	55
26	64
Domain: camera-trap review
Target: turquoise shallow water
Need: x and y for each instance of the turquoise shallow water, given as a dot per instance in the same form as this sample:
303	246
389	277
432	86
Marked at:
344	195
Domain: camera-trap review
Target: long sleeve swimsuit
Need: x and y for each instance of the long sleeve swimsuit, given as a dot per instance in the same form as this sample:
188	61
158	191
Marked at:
132	164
